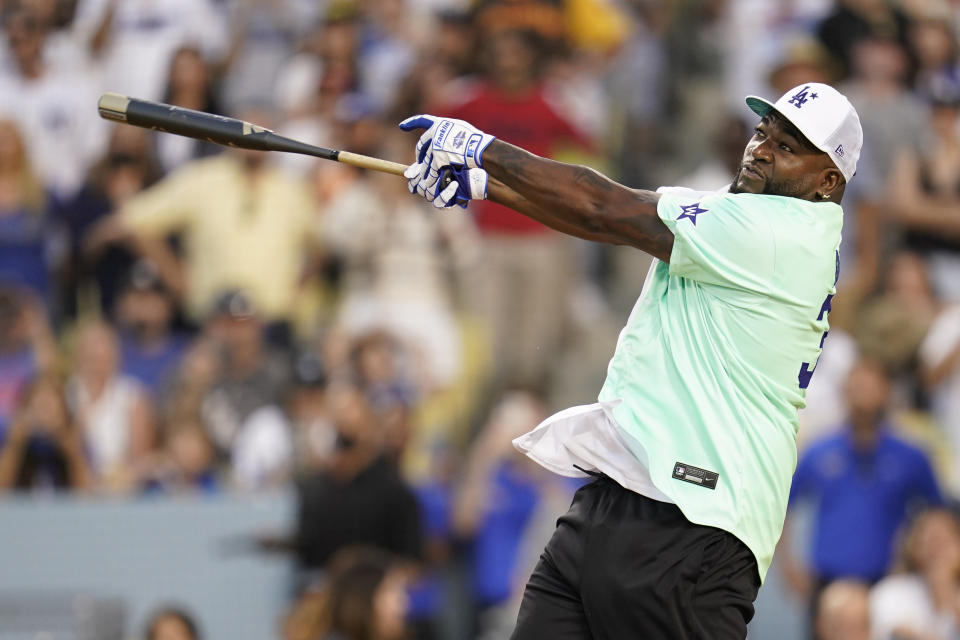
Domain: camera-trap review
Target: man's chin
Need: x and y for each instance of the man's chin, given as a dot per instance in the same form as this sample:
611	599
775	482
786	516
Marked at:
745	186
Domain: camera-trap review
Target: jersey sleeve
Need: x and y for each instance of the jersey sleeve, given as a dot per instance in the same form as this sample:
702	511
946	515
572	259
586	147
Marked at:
721	239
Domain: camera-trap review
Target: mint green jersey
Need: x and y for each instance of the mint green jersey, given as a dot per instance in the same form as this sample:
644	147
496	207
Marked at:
713	363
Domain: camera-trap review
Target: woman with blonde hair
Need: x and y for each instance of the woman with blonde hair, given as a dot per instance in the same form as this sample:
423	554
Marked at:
24	233
363	598
921	601
43	448
111	408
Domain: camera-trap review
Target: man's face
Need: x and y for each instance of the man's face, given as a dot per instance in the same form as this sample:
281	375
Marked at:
355	423
778	162
511	62
237	332
145	312
868	391
25	37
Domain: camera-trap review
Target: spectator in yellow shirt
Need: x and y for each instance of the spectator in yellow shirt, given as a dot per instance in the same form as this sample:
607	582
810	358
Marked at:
243	225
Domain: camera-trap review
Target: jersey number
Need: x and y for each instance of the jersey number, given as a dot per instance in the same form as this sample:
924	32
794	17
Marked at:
806	373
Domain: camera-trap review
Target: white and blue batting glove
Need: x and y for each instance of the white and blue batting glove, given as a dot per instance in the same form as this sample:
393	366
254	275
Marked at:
445	142
465	185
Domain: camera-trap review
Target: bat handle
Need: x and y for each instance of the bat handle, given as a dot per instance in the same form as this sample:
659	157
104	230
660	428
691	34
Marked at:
366	162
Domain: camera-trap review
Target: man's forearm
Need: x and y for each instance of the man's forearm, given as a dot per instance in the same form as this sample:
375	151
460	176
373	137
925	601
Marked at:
931	215
576	200
502	194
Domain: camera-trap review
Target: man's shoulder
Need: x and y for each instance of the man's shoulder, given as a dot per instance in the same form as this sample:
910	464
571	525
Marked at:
828	445
750	202
312	484
201	170
747	218
691	193
466	95
384	472
774	203
901	446
391	488
794	224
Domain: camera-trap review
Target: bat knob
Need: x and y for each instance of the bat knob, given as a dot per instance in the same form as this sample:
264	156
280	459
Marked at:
446	177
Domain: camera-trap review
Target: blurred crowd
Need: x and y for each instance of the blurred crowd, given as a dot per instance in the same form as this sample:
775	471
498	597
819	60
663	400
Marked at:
179	318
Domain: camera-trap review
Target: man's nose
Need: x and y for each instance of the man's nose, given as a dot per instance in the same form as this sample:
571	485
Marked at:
762	151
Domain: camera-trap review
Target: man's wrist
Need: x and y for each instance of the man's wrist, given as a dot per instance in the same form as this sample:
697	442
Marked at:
476	145
497	159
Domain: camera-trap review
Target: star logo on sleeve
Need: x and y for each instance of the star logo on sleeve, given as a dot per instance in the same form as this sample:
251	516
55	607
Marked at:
690	212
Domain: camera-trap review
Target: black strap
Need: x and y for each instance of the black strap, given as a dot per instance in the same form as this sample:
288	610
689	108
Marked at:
595	474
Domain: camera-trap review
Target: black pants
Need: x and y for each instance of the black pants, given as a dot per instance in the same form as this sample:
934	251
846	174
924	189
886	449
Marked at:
621	565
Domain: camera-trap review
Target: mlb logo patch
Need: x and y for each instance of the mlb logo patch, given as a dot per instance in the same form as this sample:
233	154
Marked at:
458	139
695	475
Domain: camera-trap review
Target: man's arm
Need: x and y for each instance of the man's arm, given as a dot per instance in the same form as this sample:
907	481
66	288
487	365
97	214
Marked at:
576	200
913	207
502	194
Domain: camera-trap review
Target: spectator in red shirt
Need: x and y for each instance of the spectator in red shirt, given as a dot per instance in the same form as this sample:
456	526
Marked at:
526	273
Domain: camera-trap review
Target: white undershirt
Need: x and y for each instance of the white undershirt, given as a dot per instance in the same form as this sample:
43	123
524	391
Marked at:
588	437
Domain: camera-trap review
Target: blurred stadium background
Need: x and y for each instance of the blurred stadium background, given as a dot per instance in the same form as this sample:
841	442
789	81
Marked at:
249	396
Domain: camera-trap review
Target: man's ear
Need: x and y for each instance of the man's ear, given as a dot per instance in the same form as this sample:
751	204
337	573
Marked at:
831	184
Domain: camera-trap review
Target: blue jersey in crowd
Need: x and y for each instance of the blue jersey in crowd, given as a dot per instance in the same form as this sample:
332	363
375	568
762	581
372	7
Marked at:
151	365
436	502
16	370
23	252
514	497
862	498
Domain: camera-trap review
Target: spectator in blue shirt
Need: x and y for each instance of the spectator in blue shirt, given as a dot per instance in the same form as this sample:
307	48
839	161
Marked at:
185	465
27	348
25	236
864	482
150	350
495	508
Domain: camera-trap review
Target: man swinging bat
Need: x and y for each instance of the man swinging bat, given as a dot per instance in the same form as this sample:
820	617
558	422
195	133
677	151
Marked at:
693	438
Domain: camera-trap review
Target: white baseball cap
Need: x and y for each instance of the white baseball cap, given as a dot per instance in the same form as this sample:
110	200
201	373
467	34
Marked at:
825	117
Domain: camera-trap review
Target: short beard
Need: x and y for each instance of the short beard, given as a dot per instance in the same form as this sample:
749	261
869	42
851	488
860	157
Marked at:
786	188
736	180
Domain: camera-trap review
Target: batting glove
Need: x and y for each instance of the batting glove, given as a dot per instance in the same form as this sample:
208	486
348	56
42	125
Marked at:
465	185
447	142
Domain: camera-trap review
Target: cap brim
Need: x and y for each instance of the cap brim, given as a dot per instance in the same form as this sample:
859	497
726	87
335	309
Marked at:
760	106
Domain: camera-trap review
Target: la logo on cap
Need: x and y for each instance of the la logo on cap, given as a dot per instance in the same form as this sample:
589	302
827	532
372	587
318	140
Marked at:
800	97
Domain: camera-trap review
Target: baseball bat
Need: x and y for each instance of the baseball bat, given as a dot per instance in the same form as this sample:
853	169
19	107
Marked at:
226	131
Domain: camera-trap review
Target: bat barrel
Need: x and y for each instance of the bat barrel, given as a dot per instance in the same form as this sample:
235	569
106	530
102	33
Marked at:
223	130
184	122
